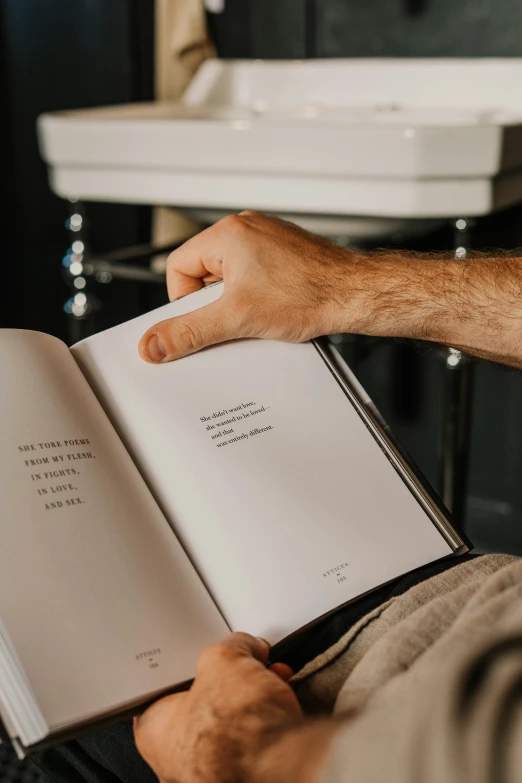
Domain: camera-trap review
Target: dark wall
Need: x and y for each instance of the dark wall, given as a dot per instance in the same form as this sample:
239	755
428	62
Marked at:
374	28
418	28
58	54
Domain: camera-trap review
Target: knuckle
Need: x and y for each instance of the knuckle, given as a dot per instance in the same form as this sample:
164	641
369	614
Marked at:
233	224
216	655
208	656
187	334
240	639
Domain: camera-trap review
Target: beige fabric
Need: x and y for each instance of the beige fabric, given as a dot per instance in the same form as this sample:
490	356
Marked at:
181	45
433	680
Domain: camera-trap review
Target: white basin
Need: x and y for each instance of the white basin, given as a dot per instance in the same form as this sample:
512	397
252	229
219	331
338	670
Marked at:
376	138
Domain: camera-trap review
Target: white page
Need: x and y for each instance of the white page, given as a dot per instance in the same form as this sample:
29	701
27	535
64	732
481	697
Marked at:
266	518
90	591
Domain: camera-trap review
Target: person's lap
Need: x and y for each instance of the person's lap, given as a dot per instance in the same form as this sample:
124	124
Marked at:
110	755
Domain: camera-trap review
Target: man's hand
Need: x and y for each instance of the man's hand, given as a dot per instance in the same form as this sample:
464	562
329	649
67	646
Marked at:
223	728
280	282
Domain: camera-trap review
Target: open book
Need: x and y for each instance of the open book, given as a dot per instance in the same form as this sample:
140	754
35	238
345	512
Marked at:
147	510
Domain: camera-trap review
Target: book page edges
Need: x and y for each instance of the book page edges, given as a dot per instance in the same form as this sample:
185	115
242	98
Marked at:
380	431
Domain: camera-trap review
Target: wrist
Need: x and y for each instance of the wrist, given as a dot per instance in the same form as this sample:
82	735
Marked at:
294	755
397	294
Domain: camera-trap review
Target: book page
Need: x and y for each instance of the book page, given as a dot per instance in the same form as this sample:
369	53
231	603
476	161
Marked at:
284	501
97	596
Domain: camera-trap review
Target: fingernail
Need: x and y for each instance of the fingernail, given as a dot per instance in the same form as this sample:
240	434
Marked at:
155	349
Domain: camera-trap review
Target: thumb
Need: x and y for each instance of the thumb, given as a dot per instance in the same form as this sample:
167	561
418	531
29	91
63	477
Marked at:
186	334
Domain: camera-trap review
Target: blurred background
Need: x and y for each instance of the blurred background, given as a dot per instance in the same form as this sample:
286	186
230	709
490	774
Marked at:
60	55
63	55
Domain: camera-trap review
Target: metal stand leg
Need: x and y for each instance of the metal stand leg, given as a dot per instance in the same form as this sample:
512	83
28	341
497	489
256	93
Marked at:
455	432
80	304
135	264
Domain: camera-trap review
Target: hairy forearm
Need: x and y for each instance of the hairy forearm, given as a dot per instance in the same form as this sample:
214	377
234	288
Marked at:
474	304
283	283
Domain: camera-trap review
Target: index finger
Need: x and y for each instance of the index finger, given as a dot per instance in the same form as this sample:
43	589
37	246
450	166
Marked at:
195	264
235	647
